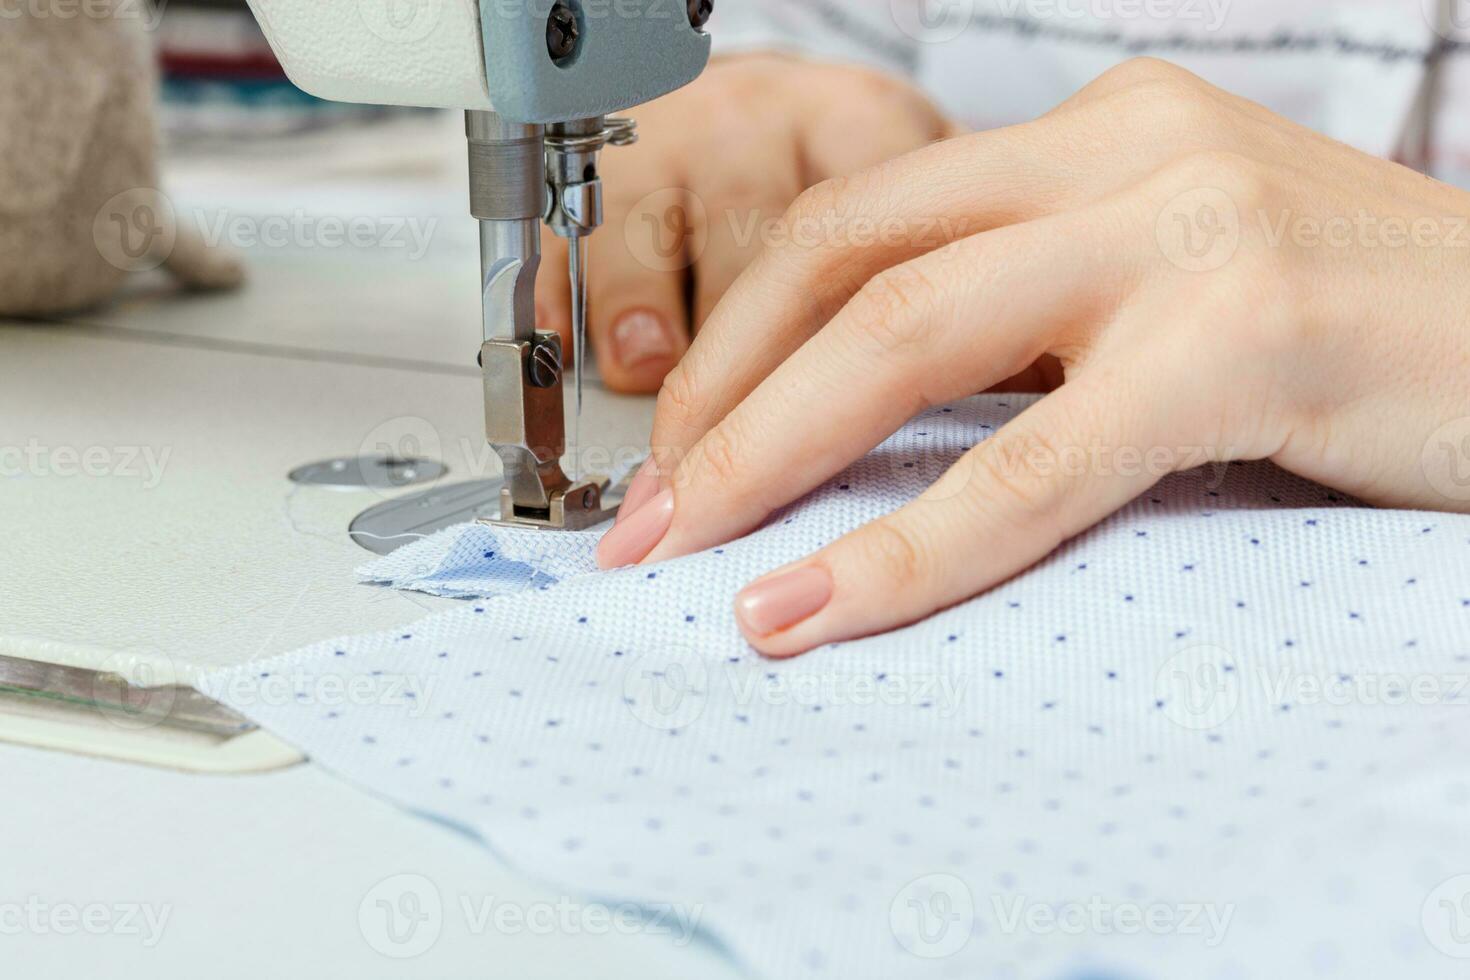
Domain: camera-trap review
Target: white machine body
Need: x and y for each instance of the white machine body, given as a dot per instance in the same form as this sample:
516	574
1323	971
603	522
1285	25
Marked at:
491	55
383	52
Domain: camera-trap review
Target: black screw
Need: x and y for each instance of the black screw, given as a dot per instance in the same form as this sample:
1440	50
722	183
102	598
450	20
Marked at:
700	11
563	33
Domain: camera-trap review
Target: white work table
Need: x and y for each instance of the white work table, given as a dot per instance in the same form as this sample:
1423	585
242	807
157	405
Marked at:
212	557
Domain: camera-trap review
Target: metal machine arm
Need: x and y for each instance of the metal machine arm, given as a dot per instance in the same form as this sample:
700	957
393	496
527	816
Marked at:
537	79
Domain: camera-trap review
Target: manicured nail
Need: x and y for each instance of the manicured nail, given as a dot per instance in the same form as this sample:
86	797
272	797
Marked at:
631	541
641	490
641	337
783	600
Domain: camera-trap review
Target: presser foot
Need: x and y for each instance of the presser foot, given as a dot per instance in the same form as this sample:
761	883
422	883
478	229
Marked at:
577	509
526	425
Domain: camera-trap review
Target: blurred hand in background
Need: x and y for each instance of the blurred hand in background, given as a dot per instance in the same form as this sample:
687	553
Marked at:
690	205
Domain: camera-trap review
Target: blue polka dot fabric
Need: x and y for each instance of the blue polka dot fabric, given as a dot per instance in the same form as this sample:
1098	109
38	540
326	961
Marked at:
475	561
1222	735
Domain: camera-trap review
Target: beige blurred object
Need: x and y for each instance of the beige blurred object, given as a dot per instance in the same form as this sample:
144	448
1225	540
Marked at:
80	207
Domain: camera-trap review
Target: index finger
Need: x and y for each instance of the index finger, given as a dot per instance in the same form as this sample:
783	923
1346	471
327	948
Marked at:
902	345
842	233
829	243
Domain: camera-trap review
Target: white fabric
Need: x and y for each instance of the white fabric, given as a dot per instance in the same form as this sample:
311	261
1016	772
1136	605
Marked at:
1137	731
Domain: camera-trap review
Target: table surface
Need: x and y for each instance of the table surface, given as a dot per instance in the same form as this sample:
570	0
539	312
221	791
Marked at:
187	539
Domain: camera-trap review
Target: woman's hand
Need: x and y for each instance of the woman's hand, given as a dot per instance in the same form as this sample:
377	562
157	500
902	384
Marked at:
716	162
1216	283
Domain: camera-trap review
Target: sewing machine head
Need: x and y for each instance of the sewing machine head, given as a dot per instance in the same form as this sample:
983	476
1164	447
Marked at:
538	80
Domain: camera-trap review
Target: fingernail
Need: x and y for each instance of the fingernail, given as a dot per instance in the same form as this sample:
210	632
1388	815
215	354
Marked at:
643	489
631	541
783	600
641	337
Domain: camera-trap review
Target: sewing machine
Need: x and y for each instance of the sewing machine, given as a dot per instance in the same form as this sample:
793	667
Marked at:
538	80
224	560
